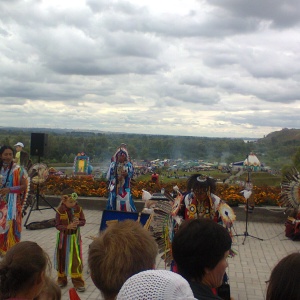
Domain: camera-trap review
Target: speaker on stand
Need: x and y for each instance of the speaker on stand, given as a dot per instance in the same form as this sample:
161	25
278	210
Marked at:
38	173
38	145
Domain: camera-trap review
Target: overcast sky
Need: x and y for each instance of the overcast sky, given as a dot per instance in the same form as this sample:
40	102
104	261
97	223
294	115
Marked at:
228	68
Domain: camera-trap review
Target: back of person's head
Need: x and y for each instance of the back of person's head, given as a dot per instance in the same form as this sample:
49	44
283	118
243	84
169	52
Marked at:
201	243
50	291
23	267
284	279
122	250
155	284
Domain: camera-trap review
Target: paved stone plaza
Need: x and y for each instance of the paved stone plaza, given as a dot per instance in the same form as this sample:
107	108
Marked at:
247	271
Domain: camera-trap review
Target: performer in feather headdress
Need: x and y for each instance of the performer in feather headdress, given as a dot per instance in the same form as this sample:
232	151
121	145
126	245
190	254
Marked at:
198	202
13	192
119	175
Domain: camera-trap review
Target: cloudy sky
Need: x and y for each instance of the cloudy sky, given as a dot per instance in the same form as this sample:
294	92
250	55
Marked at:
228	68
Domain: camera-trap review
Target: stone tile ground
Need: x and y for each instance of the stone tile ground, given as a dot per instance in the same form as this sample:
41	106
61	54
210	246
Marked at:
247	271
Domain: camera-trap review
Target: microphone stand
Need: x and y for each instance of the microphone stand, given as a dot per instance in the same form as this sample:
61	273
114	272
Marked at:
248	187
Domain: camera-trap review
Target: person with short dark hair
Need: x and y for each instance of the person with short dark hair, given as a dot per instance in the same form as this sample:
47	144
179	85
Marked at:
200	249
122	250
284	279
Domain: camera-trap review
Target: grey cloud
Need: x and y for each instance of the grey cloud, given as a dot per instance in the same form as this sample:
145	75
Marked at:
280	91
234	58
188	26
271	119
189	94
106	67
196	80
125	7
281	13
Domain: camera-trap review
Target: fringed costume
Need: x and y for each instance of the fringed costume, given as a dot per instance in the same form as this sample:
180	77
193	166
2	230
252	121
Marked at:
11	205
198	202
119	175
68	251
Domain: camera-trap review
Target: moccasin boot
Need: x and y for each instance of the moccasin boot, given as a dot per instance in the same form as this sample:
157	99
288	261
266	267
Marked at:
62	281
78	283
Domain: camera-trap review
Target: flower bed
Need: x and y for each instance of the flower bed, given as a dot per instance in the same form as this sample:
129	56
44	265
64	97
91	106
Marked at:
87	186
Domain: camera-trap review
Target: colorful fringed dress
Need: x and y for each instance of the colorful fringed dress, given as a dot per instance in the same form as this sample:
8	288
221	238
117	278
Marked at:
68	252
11	205
120	192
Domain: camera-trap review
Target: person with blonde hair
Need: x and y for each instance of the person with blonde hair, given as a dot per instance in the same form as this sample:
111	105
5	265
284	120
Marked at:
122	250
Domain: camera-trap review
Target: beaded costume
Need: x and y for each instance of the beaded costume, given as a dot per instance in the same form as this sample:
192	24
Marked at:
119	175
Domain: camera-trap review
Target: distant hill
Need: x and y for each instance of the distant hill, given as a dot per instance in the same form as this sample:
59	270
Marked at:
284	135
279	147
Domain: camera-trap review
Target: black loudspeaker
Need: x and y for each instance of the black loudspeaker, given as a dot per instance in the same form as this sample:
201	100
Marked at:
39	142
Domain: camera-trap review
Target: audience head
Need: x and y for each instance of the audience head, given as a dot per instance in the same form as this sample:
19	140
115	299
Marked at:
155	284
200	249
284	279
50	291
23	270
19	146
122	250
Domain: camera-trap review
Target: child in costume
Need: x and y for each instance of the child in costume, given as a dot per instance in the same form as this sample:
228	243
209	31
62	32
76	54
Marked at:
68	252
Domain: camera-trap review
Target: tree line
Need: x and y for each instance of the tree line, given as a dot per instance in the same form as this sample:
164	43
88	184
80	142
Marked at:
62	146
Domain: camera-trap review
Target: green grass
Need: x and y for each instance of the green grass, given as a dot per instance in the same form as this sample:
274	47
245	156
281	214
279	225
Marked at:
257	178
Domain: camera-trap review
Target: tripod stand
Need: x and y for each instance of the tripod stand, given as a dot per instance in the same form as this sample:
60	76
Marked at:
246	234
247	193
34	205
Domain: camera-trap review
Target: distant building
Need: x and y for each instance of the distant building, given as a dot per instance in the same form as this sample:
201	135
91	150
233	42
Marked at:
253	162
236	166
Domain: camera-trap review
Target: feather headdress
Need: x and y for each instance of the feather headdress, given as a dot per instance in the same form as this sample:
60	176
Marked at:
290	190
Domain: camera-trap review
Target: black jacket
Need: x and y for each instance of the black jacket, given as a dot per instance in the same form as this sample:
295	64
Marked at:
202	291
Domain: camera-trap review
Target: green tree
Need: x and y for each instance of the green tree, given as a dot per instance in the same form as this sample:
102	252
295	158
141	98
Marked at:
296	159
